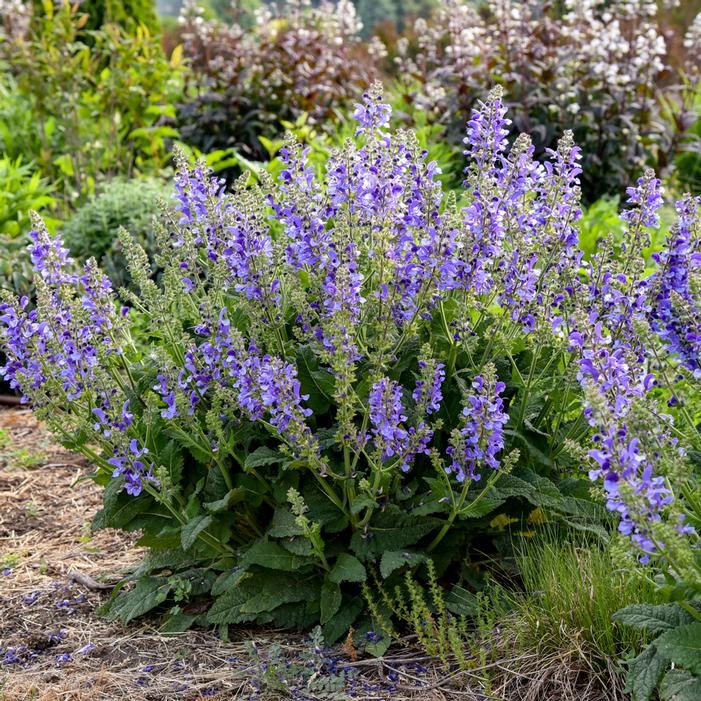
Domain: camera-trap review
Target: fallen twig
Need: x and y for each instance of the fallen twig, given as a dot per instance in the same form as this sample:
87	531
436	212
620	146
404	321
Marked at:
87	581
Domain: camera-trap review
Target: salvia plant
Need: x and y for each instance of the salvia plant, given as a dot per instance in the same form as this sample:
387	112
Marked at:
343	379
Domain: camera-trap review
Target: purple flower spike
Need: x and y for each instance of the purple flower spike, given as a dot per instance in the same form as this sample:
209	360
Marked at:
482	436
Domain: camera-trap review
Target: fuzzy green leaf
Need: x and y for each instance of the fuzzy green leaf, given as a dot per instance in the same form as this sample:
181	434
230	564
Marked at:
146	595
172	459
298	546
526	484
272	555
274	590
394	559
347	569
682	646
481	507
361	502
295	616
330	601
263	456
680	685
461	602
193	528
653	618
227	580
119	508
644	673
391	530
318	384
193	447
227	608
233	496
343	619
178	623
284	525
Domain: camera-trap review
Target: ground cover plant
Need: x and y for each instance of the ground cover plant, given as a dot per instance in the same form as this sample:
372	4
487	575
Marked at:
341	380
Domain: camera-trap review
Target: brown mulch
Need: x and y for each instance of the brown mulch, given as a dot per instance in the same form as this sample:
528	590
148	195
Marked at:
54	645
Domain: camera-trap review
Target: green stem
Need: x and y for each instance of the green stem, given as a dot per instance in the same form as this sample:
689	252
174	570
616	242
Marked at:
455	511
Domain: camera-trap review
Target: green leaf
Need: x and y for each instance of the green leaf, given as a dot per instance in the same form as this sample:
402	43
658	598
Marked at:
379	644
263	456
584	508
284	524
273	591
481	507
322	510
172	560
330	601
166	538
266	553
340	623
680	685
194	448
227	580
227	608
318	384
298	546
644	673
193	528
347	569
178	623
377	648
599	531
172	459
146	595
294	616
262	596
361	502
527	485
394	559
119	508
682	646
65	164
233	496
653	618
461	602
391	530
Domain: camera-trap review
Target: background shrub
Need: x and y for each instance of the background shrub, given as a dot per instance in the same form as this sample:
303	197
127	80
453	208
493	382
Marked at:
21	189
594	68
104	106
91	231
126	14
245	82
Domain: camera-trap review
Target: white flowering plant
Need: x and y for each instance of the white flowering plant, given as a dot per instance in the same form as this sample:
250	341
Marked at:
606	70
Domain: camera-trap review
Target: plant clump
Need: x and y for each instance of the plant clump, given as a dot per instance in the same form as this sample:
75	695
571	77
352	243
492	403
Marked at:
348	378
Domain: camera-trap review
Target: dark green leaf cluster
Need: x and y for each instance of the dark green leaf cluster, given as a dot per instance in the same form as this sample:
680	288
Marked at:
677	644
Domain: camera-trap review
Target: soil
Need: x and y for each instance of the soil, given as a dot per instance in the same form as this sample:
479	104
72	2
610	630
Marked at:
54	645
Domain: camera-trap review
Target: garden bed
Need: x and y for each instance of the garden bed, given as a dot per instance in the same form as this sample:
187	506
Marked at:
55	645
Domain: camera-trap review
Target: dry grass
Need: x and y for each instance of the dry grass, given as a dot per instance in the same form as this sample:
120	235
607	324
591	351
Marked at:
47	618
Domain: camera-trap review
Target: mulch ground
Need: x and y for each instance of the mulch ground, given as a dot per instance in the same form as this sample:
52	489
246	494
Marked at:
55	573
